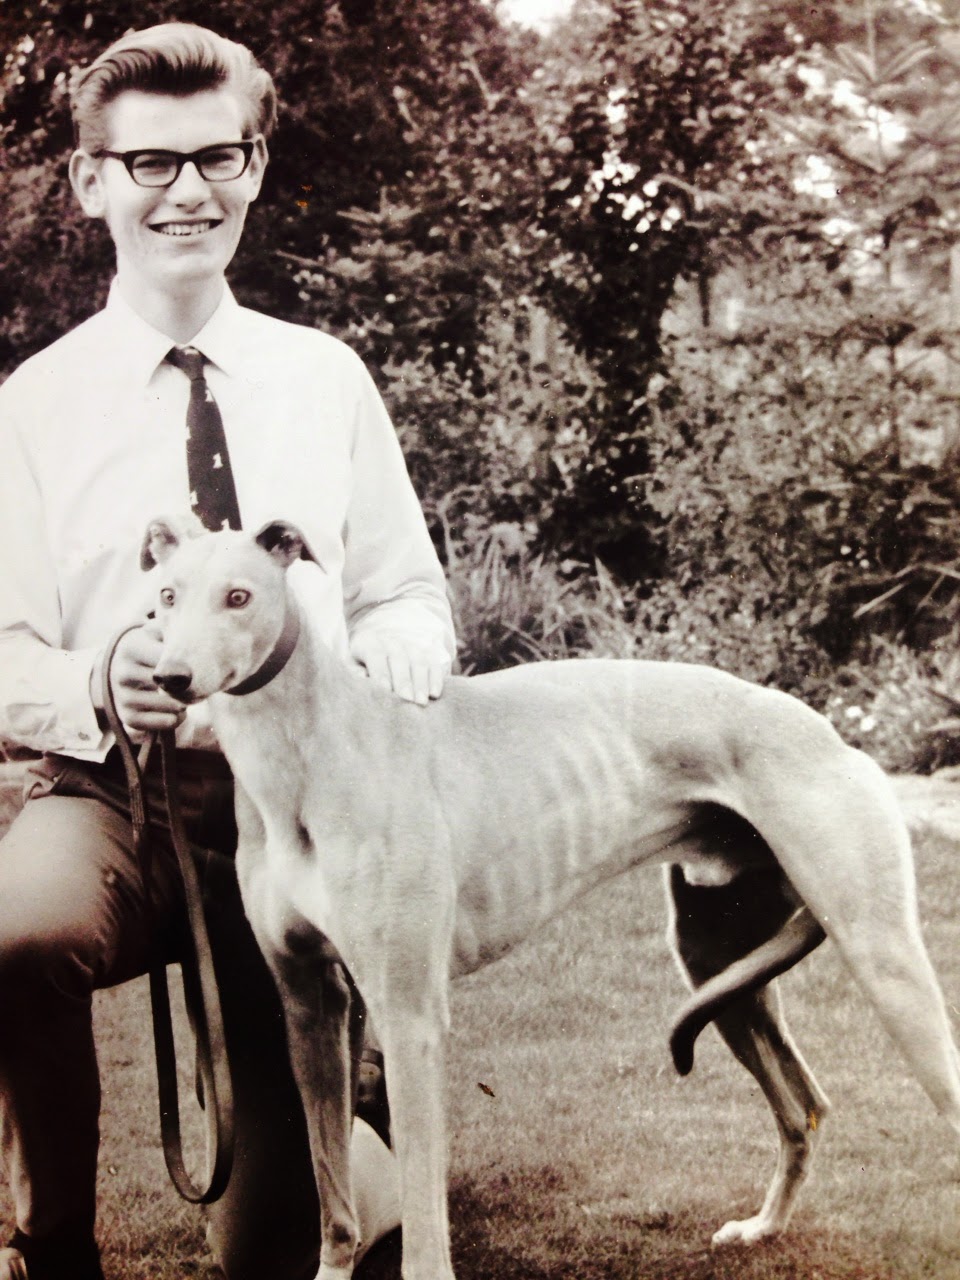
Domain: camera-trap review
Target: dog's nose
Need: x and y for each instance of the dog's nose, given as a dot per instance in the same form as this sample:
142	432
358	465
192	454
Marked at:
176	683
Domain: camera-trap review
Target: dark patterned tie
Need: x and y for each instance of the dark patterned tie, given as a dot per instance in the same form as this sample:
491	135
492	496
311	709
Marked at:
213	495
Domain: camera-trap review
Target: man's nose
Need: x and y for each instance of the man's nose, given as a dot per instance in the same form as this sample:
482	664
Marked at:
176	681
190	184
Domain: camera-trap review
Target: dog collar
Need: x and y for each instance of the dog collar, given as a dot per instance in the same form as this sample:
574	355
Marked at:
277	658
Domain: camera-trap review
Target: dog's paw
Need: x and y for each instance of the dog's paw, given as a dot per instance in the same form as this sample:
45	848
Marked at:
749	1231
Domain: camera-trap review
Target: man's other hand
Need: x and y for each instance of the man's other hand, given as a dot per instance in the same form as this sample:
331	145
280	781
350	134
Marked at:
413	669
141	705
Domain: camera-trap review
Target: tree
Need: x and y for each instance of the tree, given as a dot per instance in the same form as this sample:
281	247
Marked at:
809	455
663	160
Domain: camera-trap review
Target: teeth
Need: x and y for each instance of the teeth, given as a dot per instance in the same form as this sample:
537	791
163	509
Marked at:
184	228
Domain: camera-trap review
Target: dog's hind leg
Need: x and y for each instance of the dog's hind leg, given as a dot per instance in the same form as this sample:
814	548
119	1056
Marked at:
847	854
891	964
712	927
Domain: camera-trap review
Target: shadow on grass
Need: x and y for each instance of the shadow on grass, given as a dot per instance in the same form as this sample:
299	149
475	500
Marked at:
528	1227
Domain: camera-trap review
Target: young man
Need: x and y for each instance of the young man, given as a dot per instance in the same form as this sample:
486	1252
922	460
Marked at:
98	433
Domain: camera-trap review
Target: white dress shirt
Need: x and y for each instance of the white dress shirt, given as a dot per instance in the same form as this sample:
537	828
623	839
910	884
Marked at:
92	442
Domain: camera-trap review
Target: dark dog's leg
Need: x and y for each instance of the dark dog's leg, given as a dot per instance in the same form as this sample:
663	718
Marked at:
712	927
324	1018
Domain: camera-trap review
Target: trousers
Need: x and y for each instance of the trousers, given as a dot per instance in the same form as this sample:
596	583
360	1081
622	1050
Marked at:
76	916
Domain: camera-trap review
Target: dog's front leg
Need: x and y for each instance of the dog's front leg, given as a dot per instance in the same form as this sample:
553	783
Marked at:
405	982
414	1053
324	1019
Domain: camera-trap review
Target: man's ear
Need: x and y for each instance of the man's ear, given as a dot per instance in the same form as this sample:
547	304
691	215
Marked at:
258	165
284	542
87	184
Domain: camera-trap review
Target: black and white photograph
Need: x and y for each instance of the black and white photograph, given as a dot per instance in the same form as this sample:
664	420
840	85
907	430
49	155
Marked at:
479	640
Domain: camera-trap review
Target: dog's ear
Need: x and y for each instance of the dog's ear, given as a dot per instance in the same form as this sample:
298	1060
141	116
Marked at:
284	542
159	543
164	534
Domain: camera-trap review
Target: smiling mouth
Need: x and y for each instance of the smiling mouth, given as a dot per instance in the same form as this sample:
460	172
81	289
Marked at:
184	230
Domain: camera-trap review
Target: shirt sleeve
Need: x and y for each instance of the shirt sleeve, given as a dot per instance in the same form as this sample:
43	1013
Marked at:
44	689
393	581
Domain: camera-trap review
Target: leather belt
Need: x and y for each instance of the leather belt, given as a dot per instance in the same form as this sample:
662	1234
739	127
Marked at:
191	762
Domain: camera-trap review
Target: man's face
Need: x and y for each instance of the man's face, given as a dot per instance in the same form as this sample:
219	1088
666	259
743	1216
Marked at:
174	239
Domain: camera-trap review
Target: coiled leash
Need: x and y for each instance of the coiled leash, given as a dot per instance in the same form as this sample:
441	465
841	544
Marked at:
199	979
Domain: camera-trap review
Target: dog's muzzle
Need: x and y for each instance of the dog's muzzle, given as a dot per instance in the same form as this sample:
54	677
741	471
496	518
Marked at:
176	683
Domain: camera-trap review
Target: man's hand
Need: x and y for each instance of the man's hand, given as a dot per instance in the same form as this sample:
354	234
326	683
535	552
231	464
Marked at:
413	669
141	705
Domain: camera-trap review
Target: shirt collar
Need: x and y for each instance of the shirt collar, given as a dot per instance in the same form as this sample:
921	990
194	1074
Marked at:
142	349
220	337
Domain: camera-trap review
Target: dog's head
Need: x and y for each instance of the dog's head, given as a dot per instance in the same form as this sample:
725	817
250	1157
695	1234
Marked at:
221	601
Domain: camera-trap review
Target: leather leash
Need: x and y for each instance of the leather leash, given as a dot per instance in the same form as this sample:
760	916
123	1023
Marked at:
199	979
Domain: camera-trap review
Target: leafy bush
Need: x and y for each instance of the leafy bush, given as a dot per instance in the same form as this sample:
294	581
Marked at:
889	705
786	463
511	605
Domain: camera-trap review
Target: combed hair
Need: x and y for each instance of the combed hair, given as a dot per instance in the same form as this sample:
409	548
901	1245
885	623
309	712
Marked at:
176	58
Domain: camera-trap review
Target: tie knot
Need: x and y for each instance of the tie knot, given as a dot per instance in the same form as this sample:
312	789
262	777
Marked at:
189	359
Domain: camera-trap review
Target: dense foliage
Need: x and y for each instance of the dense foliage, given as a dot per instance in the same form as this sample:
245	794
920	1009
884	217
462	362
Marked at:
664	304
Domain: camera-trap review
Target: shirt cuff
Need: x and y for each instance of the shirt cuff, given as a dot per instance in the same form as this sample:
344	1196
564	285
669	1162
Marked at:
73	729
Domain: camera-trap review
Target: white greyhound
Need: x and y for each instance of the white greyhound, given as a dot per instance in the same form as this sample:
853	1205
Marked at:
385	847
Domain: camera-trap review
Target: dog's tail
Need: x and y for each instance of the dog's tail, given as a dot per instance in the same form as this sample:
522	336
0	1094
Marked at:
800	935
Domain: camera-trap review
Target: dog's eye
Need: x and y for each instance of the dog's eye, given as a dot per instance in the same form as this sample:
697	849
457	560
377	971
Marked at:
237	598
167	597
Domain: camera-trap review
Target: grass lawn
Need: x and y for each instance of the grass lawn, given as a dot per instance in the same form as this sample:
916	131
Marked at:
577	1154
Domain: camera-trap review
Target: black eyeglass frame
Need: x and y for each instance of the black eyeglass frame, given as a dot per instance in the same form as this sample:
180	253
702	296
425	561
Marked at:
129	158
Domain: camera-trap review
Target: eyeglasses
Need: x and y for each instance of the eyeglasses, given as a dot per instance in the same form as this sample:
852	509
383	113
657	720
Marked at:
220	163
